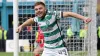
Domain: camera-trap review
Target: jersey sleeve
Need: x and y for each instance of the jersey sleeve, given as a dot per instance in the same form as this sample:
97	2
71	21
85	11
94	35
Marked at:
35	19
58	14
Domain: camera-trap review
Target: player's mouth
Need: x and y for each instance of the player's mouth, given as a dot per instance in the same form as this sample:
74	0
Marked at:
39	14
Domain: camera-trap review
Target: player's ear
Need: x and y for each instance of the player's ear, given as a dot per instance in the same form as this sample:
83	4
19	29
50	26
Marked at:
46	10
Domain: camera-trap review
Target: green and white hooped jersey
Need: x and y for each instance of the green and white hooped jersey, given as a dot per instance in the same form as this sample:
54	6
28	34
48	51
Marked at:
52	34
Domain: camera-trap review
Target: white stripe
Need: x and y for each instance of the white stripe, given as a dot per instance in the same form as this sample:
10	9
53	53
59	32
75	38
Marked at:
44	22
52	20
52	37
54	44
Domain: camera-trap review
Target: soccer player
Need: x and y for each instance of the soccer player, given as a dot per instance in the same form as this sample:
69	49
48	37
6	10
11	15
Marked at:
47	21
40	42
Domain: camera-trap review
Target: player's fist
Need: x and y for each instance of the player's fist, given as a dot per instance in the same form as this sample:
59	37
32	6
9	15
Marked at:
87	20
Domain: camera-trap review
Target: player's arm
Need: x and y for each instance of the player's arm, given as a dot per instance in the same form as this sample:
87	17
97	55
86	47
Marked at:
26	23
72	14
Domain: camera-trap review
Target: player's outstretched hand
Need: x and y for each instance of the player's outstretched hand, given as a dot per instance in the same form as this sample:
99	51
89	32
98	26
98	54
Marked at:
87	20
18	30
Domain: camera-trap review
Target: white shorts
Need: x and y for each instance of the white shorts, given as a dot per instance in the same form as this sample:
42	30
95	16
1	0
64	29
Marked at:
55	52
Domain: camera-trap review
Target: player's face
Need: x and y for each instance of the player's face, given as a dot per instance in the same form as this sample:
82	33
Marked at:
40	11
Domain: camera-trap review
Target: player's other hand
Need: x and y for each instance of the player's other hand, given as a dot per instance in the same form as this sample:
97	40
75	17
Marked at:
87	20
18	30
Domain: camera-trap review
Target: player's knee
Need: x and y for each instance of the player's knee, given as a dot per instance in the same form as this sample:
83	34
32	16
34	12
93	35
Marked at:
36	51
41	50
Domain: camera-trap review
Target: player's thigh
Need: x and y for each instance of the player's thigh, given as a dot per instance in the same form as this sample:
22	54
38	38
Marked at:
41	49
37	50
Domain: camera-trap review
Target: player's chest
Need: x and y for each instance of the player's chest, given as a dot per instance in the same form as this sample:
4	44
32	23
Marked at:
47	25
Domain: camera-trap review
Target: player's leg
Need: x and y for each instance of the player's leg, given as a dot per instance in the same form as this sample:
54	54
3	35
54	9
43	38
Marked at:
37	51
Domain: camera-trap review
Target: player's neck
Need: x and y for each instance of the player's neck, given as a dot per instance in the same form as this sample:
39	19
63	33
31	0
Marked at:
44	15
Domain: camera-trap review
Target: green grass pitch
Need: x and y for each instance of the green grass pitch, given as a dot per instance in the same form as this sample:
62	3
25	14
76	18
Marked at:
24	53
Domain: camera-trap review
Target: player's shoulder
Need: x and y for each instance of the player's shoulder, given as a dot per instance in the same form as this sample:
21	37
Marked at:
35	18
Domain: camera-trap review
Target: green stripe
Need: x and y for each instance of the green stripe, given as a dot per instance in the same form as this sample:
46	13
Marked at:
51	13
46	26
51	33
48	17
54	41
62	45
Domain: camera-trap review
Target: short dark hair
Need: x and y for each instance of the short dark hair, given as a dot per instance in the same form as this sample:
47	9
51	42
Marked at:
39	3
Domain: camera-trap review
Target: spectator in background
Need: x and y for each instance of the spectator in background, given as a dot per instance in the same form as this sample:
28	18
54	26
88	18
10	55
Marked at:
26	33
98	37
3	38
83	30
0	38
82	35
10	33
69	32
23	34
31	37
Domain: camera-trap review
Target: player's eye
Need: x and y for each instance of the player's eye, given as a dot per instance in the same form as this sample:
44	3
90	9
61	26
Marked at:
35	9
40	8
